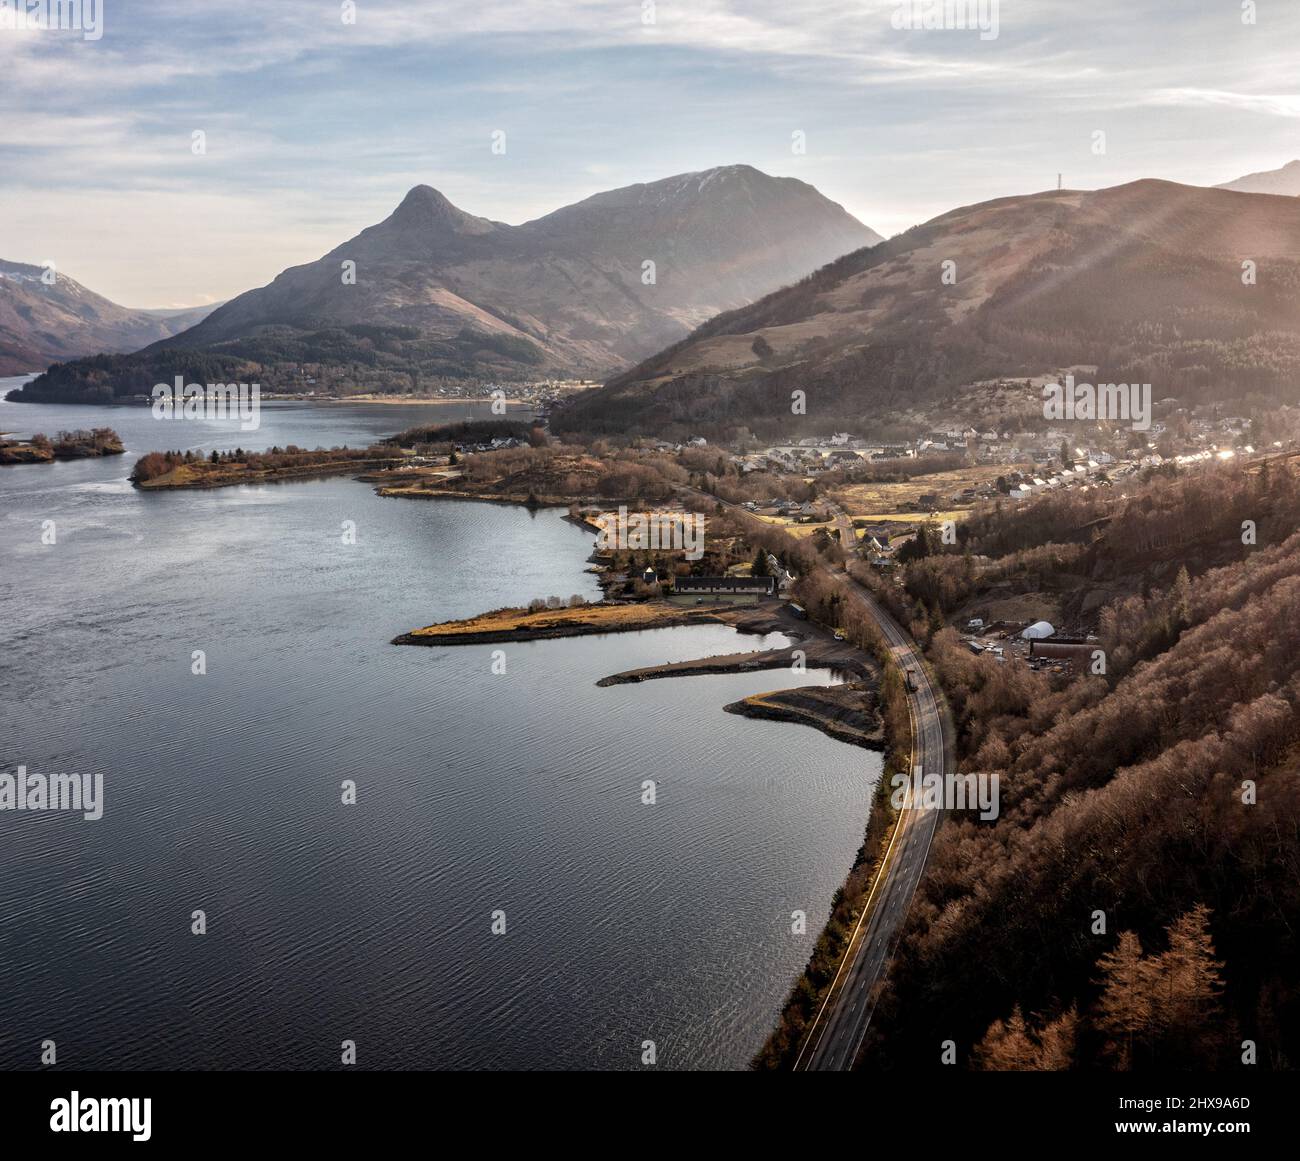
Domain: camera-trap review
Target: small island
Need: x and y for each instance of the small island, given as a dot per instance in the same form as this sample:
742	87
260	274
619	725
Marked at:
66	445
190	469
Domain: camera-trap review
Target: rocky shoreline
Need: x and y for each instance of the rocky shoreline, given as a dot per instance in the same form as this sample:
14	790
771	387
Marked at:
27	452
815	654
849	713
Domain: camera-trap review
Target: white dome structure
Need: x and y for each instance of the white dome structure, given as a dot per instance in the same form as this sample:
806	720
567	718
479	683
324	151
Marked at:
1037	631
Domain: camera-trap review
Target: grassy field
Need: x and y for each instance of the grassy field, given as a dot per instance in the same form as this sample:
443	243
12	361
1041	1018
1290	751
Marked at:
793	527
888	501
909	518
609	618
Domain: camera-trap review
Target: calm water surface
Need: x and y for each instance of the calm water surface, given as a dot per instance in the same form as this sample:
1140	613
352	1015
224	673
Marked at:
477	792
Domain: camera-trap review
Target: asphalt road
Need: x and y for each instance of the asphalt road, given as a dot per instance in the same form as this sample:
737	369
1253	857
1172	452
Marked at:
841	1023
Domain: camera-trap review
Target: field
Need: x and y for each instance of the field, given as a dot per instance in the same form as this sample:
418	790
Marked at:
890	501
524	625
793	527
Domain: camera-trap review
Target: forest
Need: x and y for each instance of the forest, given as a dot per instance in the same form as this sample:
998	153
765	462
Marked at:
1135	904
444	436
65	445
345	360
223	465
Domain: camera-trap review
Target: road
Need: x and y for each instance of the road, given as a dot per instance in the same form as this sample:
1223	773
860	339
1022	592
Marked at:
844	524
841	1023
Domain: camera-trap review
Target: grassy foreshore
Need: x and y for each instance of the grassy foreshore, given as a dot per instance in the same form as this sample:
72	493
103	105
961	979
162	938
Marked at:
848	712
526	625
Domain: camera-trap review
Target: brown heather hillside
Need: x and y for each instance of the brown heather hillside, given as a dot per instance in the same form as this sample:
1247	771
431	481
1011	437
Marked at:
1123	793
1143	280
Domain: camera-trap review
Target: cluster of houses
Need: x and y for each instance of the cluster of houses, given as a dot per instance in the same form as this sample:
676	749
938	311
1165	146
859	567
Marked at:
881	541
807	461
805	513
725	586
1026	484
776	583
1040	644
812	455
992	447
487	445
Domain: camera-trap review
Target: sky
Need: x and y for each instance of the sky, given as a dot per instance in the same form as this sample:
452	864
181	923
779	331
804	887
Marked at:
314	125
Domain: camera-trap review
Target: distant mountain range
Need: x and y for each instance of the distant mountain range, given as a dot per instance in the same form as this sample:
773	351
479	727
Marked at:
1284	181
433	293
1144	280
41	324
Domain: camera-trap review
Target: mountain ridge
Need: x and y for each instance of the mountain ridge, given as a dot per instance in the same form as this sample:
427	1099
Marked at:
1144	280
43	322
440	294
1283	181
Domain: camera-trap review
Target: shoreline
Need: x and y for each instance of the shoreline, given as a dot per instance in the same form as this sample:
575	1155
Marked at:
15	455
817	655
279	397
204	481
15	452
506	625
848	713
419	401
412	493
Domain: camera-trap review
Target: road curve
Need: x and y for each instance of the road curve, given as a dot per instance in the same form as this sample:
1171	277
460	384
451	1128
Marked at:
841	1023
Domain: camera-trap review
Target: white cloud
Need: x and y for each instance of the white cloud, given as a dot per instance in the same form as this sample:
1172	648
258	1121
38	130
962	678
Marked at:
1273	105
315	128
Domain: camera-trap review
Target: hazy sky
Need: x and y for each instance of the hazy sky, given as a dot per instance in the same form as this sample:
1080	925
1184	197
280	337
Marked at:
316	128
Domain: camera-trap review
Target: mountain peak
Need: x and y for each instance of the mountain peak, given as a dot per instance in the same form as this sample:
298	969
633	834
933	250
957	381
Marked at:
724	191
738	170
425	208
562	294
421	195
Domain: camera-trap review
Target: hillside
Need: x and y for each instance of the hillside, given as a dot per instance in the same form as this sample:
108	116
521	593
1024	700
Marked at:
441	294
1284	181
40	324
1143	280
1163	794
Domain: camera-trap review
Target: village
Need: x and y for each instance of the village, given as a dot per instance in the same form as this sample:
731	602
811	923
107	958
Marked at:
840	497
